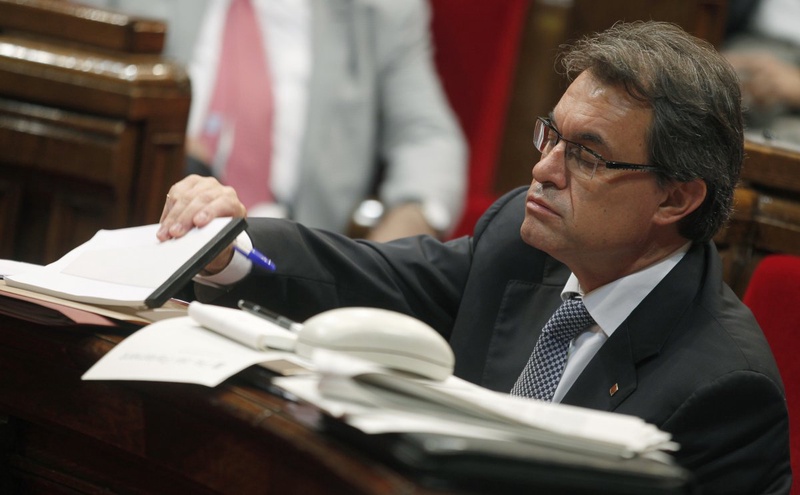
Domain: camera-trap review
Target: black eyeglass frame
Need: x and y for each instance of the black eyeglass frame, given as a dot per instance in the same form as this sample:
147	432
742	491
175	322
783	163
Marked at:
608	163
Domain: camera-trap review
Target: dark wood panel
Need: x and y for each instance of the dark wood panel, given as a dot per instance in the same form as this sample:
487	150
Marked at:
53	140
72	173
92	125
766	219
9	205
772	167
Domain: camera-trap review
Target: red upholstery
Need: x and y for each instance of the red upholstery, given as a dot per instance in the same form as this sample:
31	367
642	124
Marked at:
476	44
773	294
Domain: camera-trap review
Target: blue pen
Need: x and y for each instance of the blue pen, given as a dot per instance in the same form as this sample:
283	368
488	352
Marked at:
256	257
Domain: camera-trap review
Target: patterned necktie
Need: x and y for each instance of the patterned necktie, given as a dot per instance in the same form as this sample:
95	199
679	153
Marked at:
541	375
238	129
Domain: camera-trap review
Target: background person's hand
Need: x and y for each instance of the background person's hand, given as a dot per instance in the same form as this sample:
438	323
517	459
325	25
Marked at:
767	81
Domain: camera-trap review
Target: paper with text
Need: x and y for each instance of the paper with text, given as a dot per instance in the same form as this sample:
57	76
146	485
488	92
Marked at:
178	350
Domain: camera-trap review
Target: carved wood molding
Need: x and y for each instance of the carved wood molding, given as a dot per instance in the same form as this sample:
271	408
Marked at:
70	21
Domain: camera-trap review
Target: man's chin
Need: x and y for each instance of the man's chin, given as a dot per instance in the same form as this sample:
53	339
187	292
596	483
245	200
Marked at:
531	233
537	235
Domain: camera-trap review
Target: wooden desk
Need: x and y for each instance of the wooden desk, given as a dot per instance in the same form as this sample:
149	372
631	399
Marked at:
61	435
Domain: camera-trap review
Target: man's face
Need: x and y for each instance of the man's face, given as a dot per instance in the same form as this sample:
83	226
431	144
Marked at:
607	221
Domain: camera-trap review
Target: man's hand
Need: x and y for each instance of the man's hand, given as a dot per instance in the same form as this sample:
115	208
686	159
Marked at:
194	202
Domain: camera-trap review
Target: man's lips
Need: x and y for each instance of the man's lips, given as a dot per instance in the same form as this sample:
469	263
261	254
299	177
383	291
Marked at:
538	203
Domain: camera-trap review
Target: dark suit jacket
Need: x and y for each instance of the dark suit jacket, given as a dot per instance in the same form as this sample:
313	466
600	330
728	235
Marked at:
690	359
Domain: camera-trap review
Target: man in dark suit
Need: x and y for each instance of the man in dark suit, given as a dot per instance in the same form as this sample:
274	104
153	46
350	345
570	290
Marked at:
639	162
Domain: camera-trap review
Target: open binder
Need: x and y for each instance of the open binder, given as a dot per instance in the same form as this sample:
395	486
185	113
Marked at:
130	267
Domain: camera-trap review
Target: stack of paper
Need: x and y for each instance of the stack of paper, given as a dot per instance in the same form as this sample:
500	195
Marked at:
375	400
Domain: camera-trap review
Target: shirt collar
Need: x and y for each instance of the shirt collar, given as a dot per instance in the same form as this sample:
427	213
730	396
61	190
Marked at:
612	303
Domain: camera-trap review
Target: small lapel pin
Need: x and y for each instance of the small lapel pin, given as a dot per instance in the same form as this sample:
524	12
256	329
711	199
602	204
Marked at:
613	390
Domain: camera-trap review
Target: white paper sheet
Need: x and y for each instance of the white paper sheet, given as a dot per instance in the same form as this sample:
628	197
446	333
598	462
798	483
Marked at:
179	350
11	267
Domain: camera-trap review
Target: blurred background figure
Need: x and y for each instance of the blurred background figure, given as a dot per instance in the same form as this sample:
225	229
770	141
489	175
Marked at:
310	107
763	44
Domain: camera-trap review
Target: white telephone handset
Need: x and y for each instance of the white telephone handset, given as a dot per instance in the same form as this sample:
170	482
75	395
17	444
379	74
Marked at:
388	338
391	339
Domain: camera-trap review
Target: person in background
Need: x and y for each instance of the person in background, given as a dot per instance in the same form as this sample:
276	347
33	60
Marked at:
763	45
598	286
336	101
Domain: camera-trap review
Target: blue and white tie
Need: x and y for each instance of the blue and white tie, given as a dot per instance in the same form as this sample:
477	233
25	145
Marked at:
541	375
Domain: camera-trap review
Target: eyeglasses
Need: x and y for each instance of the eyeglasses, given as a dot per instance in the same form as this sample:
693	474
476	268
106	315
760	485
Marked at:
580	160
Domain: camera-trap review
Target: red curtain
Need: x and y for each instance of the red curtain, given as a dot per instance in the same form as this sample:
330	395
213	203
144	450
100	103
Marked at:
476	47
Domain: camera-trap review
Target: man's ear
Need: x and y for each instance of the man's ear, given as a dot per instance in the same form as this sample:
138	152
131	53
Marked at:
682	198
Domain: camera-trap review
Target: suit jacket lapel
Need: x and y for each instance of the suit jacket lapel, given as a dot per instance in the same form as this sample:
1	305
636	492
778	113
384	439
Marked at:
526	304
611	376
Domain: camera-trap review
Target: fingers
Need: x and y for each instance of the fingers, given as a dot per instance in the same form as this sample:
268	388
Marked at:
194	202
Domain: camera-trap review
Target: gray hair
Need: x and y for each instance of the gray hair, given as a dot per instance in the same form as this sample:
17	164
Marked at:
697	129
